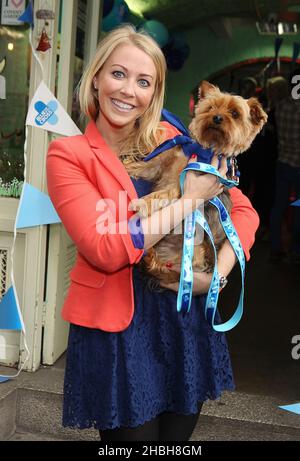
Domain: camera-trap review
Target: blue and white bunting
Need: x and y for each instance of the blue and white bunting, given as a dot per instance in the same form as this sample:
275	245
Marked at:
35	208
47	113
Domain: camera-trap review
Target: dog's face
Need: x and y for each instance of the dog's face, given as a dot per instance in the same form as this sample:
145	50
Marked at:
226	123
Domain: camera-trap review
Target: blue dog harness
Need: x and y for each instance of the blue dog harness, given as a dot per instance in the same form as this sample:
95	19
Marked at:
204	157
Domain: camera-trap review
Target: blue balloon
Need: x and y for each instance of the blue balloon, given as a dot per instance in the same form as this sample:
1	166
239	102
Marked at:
176	51
107	7
157	31
116	15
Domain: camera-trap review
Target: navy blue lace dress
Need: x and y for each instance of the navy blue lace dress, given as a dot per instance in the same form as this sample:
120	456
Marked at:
164	361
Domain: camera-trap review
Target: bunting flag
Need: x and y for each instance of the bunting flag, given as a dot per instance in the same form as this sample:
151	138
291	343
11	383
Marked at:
10	318
35	208
295	408
296	51
277	45
27	16
47	113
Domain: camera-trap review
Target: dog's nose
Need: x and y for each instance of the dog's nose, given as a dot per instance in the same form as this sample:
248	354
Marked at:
217	119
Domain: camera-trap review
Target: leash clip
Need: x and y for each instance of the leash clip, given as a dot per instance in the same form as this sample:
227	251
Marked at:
233	173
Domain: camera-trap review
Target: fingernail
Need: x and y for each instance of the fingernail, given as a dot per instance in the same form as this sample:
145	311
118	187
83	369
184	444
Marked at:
169	265
194	156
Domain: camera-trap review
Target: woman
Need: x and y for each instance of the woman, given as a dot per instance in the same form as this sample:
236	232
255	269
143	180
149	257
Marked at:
136	368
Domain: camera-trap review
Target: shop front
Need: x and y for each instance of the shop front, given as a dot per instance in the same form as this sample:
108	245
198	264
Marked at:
36	260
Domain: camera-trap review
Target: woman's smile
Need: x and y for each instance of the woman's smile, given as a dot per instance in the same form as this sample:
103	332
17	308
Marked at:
122	106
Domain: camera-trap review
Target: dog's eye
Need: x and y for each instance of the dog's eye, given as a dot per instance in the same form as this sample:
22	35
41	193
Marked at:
235	114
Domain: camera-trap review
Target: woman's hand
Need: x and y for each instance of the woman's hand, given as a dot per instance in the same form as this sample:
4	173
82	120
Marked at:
204	186
201	282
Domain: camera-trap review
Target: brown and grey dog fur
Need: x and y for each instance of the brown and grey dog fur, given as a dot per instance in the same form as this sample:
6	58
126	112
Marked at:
225	123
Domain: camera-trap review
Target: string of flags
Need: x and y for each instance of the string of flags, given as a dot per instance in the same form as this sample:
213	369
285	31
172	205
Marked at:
35	207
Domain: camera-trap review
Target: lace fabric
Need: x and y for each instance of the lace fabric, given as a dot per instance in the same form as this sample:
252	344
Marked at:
164	361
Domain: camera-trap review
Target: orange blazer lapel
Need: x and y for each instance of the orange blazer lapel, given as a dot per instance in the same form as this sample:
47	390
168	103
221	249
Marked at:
109	159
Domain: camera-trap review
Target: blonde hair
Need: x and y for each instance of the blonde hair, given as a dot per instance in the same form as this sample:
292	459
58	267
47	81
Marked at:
147	132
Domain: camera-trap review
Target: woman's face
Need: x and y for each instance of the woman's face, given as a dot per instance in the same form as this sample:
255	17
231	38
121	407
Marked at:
125	85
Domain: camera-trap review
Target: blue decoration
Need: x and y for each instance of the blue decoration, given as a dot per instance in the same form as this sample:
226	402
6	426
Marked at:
3	379
107	7
46	113
35	209
296	51
278	43
295	408
9	313
116	15
297	203
157	31
27	16
176	51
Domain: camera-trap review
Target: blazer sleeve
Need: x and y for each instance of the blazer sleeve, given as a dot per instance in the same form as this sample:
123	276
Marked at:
245	219
75	199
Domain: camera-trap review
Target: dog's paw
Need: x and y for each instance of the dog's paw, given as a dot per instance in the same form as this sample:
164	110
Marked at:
140	206
135	204
163	202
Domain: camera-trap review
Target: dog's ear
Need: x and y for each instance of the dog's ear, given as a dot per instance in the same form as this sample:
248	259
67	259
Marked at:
206	87
257	114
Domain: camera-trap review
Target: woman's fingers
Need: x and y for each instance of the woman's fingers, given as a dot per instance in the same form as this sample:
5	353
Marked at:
223	166
215	161
222	169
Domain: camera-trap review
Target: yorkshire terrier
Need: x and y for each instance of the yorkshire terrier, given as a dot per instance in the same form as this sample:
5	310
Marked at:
225	123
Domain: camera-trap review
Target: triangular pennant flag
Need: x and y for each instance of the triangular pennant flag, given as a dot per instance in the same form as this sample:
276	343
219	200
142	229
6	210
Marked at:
296	51
27	16
47	113
277	45
35	208
44	43
293	408
3	379
9	313
297	203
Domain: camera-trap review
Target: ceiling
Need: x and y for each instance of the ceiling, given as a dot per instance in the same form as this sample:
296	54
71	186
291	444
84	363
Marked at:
182	14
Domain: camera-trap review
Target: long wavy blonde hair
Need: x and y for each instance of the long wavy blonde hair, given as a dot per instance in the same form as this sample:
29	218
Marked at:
147	132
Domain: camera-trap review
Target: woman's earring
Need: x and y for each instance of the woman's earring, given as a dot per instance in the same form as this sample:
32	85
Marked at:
95	85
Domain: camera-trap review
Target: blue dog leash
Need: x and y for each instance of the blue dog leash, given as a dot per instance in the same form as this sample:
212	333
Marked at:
184	297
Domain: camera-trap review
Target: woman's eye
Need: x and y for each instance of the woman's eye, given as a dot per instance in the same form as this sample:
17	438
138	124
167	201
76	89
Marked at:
118	73
144	83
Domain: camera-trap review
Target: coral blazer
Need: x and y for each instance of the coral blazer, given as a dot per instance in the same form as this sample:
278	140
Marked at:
82	171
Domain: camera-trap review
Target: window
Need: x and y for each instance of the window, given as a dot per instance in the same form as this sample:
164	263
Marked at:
15	55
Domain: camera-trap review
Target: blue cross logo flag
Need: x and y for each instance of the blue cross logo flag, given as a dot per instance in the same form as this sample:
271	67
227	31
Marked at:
46	113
